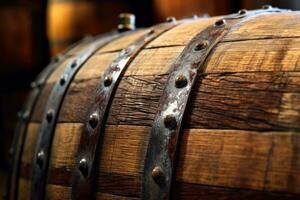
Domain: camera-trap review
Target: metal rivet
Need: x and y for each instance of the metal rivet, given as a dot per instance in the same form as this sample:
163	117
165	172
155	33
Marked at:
49	115
151	32
40	158
266	7
63	80
157	174
56	58
74	64
181	81
170	122
201	45
33	84
170	19
93	120
83	167
220	22
25	116
107	81
242	12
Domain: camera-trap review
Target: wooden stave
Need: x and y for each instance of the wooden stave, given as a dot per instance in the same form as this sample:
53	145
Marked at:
215	72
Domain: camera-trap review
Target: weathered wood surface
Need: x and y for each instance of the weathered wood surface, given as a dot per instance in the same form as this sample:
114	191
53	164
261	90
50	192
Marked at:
241	134
264	161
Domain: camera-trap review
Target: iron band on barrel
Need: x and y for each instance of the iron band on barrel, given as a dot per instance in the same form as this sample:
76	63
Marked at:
165	132
24	117
43	149
84	174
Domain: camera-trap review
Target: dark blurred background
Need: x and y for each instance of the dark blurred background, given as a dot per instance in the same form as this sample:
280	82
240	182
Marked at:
31	31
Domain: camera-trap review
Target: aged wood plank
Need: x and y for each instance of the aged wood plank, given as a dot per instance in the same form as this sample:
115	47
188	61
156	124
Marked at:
249	101
122	42
259	55
228	158
183	33
243	159
24	189
105	196
273	25
195	192
57	192
30	141
64	145
95	66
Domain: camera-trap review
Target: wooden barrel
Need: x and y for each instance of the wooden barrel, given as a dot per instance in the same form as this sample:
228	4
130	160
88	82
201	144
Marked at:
193	109
70	20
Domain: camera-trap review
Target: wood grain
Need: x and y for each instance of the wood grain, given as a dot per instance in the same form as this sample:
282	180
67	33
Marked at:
264	161
183	33
241	132
123	42
195	192
249	101
24	189
275	25
261	55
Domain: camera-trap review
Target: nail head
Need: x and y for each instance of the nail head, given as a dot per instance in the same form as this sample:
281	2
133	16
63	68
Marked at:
170	122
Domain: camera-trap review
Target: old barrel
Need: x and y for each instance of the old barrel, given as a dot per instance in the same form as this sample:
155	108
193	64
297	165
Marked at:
200	108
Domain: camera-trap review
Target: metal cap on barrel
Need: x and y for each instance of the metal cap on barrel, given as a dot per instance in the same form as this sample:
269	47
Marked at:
126	22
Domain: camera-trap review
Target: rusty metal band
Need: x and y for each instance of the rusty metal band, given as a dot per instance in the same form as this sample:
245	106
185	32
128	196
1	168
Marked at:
43	148
24	116
165	132
83	177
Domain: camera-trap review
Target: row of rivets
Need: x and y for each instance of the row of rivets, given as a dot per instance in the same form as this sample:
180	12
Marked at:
50	113
169	120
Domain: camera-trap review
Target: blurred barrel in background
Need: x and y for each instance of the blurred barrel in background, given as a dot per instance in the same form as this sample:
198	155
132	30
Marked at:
70	20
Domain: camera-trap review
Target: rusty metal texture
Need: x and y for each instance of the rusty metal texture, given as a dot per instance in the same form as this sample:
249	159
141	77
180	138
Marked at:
43	148
165	132
84	174
24	116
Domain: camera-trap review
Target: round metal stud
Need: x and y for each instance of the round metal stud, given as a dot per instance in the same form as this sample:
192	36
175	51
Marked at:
107	81
93	120
83	167
201	45
151	32
181	81
74	64
49	115
242	12
266	7
170	19
170	122
33	85
56	58
220	22
63	80
158	174
25	116
40	158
